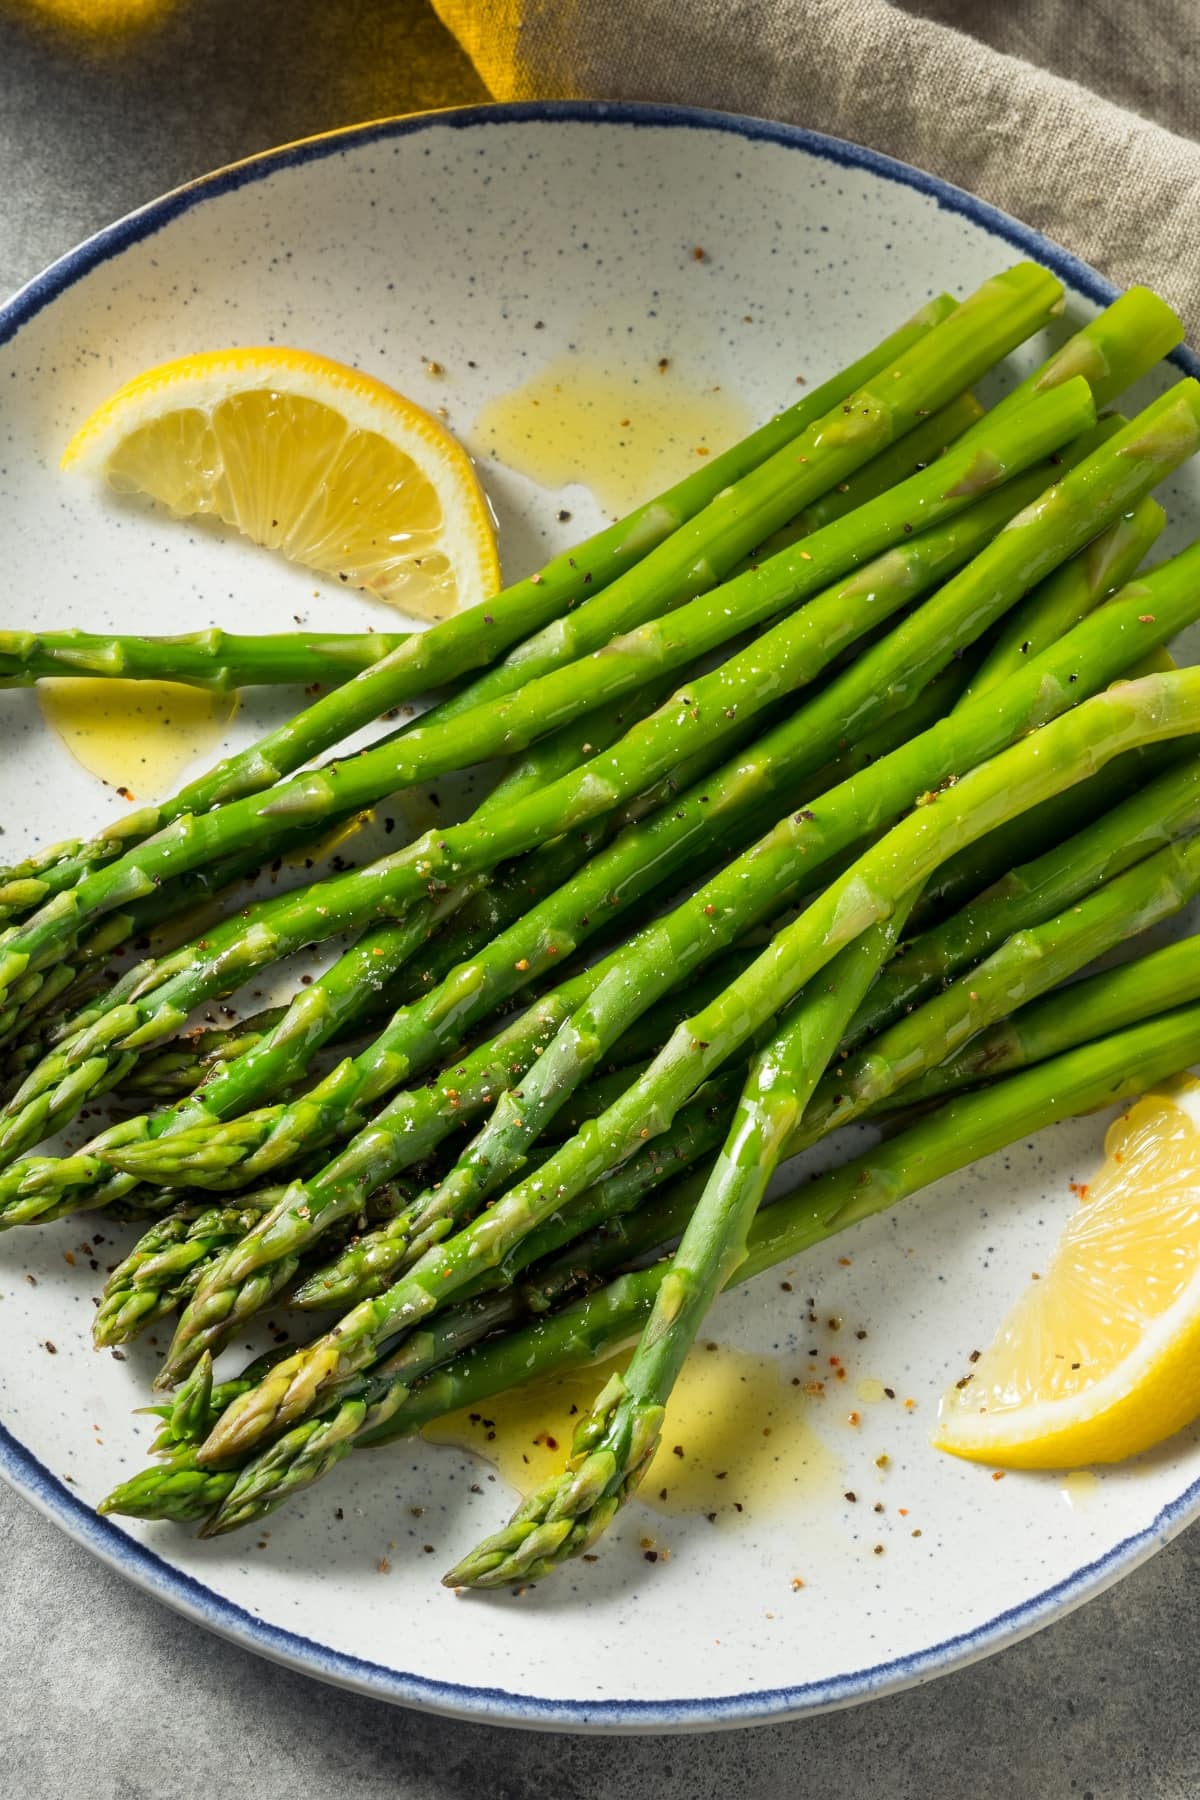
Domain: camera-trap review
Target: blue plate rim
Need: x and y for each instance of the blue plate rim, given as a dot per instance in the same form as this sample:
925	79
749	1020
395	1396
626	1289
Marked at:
141	1565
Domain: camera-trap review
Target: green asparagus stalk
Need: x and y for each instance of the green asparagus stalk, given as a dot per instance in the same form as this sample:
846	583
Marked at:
692	933
1108	1002
871	692
1066	747
1026	964
603	1323
1061	603
66	1079
1092	1008
162	1270
1164	809
313	1219
1023	966
669	550
479	637
521	1115
615	1442
180	1067
878	588
163	1266
215	659
967	875
922	445
517	718
1102	351
958	1133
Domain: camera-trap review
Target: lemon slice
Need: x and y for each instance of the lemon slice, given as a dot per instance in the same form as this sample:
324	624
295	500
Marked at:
306	456
1100	1358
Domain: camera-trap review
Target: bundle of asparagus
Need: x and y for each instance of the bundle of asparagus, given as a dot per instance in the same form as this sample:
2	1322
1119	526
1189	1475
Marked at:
888	666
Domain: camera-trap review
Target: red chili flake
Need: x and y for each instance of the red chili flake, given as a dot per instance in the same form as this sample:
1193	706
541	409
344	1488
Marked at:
998	1474
1079	1189
1145	618
699	255
384	1566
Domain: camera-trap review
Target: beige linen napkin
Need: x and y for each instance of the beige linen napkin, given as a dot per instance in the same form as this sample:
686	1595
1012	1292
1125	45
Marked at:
1118	190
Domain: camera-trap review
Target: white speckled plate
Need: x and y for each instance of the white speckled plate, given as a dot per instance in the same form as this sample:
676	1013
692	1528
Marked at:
449	237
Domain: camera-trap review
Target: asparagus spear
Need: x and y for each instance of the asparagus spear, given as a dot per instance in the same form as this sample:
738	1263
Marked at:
877	589
1155	707
67	1078
522	1114
1102	351
216	659
1059	604
615	1442
889	1069
965	876
958	1133
517	718
477	638
662	956
181	1066
164	1264
245	1133
672	548
1162	810
1093	1008
599	1235
1029	962
603	1323
162	1270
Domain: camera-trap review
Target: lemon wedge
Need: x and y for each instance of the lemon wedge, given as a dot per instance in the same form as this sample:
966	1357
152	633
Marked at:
1100	1358
310	457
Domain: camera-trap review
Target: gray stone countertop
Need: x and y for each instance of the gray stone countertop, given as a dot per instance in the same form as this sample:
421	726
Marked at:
104	1692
